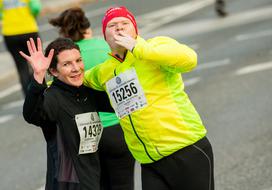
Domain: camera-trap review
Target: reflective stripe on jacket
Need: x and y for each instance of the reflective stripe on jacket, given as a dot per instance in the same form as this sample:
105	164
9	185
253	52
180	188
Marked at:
169	122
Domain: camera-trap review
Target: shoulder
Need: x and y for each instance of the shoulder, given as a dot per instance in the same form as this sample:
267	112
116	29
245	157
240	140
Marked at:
156	41
51	94
161	39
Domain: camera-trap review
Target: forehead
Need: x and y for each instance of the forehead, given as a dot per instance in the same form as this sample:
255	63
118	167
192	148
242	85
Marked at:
119	19
68	55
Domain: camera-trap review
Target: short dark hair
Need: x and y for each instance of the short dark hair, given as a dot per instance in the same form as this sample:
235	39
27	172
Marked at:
72	23
59	45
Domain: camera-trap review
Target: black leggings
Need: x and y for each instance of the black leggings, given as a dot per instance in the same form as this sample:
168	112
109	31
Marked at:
190	168
117	163
15	44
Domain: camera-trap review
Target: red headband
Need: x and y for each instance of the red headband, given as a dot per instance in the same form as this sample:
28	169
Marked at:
117	12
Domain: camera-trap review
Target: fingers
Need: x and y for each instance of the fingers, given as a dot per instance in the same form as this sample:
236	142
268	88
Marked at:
28	59
39	44
33	45
50	55
122	33
24	55
29	47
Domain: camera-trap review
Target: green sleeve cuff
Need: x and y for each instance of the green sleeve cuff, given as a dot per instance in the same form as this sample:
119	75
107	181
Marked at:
35	7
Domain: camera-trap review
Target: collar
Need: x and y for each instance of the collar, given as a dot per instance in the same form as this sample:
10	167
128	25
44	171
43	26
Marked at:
66	87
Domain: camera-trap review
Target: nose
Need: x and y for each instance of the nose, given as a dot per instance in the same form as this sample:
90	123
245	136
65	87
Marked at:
119	27
75	66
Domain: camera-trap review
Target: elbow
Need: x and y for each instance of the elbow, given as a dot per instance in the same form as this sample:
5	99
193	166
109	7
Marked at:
26	114
27	118
193	60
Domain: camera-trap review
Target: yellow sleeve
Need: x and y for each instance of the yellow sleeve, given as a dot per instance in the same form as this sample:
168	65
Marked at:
91	78
166	52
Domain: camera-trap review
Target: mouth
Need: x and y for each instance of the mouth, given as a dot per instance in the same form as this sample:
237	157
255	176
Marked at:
77	76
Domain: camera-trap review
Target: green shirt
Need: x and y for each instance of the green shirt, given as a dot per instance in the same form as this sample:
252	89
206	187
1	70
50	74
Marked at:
95	51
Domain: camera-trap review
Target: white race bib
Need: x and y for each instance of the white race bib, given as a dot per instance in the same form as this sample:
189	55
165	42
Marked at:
90	131
126	93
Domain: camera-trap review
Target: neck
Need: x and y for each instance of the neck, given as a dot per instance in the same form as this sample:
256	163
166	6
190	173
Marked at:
120	53
88	34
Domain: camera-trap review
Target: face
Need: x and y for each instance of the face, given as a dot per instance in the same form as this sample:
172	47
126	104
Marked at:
70	68
117	25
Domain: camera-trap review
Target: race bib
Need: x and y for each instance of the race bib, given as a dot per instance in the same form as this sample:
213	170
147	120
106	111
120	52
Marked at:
126	93
90	131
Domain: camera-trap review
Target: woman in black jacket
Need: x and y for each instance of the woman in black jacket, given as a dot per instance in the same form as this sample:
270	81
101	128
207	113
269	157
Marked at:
71	106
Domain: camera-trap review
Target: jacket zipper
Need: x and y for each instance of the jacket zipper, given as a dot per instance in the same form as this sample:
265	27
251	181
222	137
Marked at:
136	131
140	139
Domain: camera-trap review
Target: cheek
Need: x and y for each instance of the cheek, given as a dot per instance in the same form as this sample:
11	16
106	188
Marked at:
132	32
81	66
110	33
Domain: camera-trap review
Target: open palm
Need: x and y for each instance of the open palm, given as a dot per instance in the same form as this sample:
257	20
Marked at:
36	58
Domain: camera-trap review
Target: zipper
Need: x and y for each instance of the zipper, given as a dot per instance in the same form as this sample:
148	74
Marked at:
136	131
140	139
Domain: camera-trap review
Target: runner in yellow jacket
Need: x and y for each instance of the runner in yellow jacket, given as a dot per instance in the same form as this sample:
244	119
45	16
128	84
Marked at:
18	25
162	128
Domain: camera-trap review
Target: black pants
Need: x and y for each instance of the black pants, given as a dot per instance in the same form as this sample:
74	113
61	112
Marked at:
117	163
190	168
15	44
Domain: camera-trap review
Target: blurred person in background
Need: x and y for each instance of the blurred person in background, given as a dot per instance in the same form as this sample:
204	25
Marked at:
163	130
117	163
18	25
220	7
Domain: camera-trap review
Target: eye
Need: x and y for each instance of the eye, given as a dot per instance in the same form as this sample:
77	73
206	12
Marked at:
79	60
111	25
66	64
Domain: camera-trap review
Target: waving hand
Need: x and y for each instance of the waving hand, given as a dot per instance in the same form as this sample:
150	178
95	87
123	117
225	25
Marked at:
38	61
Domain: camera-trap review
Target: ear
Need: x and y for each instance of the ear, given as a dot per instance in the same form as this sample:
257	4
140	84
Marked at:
54	72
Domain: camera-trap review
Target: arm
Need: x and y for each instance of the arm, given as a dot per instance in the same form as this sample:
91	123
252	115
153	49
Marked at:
38	111
91	78
166	52
102	101
33	105
163	51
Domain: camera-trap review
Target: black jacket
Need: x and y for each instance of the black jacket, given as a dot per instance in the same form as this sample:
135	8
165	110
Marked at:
58	106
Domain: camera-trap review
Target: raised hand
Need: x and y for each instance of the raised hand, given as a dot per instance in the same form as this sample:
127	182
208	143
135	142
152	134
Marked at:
38	61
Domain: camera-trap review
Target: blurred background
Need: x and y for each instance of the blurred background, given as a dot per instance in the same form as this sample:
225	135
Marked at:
231	87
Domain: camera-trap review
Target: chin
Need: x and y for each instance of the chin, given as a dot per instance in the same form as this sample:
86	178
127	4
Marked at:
76	83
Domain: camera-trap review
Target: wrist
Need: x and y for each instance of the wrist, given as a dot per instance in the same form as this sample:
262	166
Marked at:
39	77
132	49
